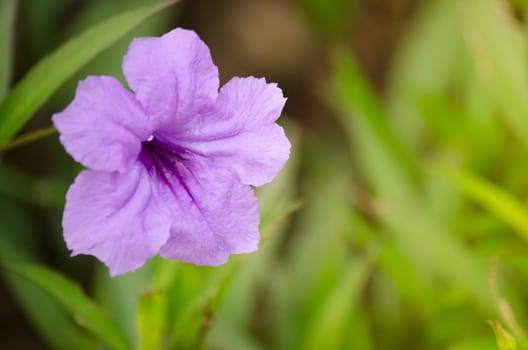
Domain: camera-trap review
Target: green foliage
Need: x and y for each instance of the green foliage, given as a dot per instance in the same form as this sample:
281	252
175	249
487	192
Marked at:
504	339
7	18
86	313
500	56
496	201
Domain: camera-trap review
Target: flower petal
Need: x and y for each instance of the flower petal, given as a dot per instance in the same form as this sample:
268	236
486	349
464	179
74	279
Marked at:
241	133
103	126
116	217
173	76
215	216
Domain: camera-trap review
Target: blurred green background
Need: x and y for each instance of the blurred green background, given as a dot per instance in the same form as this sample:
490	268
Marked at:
400	221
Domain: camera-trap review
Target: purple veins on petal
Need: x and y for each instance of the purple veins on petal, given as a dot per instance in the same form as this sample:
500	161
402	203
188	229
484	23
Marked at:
164	163
115	217
171	163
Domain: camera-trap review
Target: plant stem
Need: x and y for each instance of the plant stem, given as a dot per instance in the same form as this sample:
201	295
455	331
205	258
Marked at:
27	138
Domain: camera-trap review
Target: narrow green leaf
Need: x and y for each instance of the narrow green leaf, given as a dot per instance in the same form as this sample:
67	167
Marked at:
52	323
499	52
357	91
473	343
423	237
120	296
505	340
190	323
330	326
429	243
330	16
7	18
43	79
415	69
46	316
83	310
151	320
499	202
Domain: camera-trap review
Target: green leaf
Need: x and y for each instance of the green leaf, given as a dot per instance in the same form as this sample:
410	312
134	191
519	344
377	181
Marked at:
53	324
415	71
473	343
499	51
400	206
192	317
82	309
7	18
330	16
333	321
151	320
505	340
120	296
506	207
356	92
47	317
43	79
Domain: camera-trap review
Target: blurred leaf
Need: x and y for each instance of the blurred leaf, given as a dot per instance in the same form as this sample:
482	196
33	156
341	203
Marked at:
48	318
417	71
85	312
120	296
110	61
354	91
472	139
330	327
316	251
150	320
17	245
16	184
43	18
519	5
230	321
43	79
414	289
473	343
504	339
504	300
331	16
432	32
496	200
499	53
316	254
192	318
427	242
400	205
7	20
359	334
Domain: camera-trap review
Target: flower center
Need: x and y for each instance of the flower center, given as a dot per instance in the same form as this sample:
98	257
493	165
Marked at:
164	161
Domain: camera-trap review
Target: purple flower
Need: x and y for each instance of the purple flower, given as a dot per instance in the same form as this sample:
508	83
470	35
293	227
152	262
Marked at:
171	165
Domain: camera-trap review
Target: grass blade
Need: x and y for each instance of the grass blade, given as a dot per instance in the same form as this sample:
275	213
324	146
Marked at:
7	18
83	310
400	206
330	328
496	200
48	75
499	53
